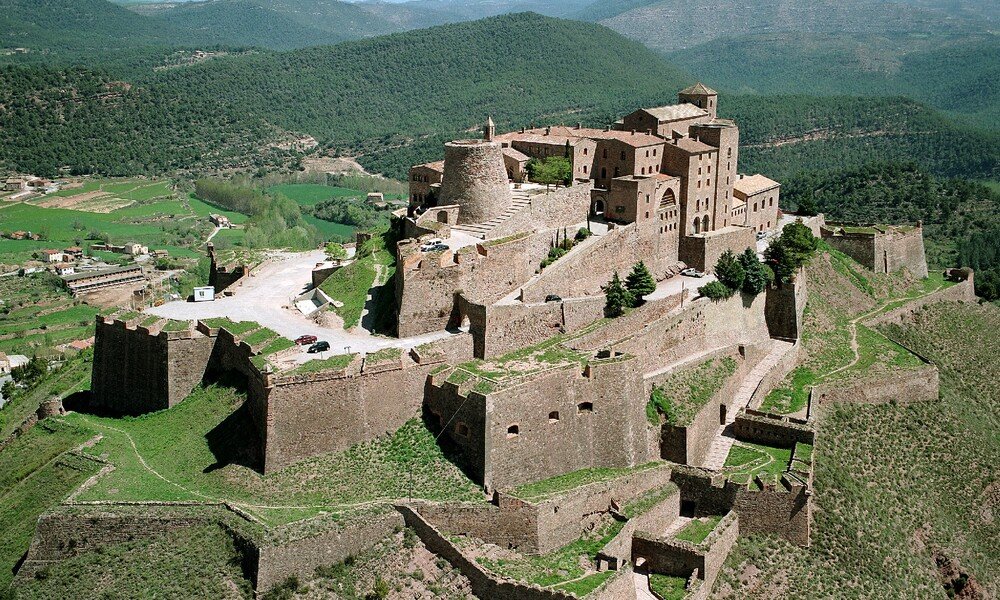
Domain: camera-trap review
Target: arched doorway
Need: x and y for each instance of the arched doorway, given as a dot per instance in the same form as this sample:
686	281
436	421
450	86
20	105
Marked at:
704	224
697	225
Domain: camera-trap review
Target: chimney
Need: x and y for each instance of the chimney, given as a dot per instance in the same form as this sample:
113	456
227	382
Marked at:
649	132
607	128
522	129
579	125
633	132
548	130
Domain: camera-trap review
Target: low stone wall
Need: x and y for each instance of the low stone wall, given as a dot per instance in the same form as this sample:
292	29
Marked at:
783	509
513	326
903	386
659	517
679	558
963	291
772	430
484	584
328	545
775	375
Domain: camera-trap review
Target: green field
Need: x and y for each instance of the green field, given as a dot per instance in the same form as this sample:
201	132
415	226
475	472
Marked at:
157	218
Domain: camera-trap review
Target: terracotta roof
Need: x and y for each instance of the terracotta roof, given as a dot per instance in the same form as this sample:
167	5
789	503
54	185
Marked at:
516	154
699	88
560	134
434	166
754	184
693	146
676	112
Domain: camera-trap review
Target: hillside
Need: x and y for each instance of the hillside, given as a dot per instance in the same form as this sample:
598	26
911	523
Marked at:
899	488
672	24
956	74
373	93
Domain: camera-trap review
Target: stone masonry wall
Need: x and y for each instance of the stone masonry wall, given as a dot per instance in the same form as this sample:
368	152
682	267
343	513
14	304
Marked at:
680	559
960	292
330	545
903	386
703	251
771	430
785	304
610	433
517	325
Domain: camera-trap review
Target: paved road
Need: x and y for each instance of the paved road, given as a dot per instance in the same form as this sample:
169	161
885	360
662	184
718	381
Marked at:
266	297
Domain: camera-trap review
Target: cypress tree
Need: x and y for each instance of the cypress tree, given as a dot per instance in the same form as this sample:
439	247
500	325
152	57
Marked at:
618	298
640	282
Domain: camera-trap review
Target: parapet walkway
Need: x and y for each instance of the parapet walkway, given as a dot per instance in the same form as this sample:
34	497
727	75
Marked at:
723	442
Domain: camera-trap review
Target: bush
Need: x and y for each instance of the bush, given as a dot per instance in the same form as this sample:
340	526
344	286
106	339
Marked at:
716	290
583	234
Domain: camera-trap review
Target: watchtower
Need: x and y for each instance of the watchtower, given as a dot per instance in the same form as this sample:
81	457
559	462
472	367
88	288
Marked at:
701	96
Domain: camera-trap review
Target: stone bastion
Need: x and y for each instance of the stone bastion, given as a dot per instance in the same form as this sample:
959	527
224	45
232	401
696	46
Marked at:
475	179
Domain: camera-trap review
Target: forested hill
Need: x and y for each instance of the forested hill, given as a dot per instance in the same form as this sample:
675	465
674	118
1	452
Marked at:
957	74
367	94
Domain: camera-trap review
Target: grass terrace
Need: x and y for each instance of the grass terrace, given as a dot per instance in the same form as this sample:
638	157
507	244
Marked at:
561	569
648	500
192	453
679	398
334	363
553	486
698	529
233	327
375	264
746	461
668	587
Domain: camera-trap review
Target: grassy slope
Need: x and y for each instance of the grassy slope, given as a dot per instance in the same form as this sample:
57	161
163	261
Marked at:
195	562
176	444
33	478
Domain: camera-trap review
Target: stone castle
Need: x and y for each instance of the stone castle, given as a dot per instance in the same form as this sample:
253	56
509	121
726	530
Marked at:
533	382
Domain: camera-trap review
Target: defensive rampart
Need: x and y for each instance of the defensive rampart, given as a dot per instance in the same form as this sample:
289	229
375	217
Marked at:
883	249
680	558
904	386
782	509
784	307
702	251
963	291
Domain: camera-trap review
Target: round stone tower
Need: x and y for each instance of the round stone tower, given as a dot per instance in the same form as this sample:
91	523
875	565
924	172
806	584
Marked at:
475	179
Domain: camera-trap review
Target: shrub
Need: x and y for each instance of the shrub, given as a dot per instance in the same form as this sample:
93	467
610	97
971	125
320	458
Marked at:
716	290
583	234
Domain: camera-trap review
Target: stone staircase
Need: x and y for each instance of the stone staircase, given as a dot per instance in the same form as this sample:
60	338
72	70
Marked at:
723	442
481	230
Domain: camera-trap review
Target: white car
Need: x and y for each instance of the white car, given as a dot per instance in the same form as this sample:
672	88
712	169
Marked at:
431	245
692	272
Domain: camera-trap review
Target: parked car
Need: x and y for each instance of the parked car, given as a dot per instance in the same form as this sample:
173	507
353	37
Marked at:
441	247
305	340
435	245
319	347
761	235
692	272
553	298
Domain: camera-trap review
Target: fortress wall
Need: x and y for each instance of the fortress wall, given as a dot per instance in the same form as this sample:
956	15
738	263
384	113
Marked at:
138	371
784	307
903	249
513	524
775	375
859	246
657	518
461	415
513	326
278	561
309	416
562	207
774	510
771	430
690	444
611	434
778	511
703	251
561	518
680	559
484	584
630	324
903	386
585	269
963	291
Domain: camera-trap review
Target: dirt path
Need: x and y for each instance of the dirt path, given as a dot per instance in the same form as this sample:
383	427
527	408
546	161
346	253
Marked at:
853	324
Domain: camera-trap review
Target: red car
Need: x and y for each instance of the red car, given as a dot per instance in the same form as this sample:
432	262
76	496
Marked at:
306	340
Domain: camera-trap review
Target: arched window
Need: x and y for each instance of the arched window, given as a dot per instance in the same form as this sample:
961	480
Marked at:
697	225
623	155
643	170
605	153
604	172
554	416
704	223
513	431
462	429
